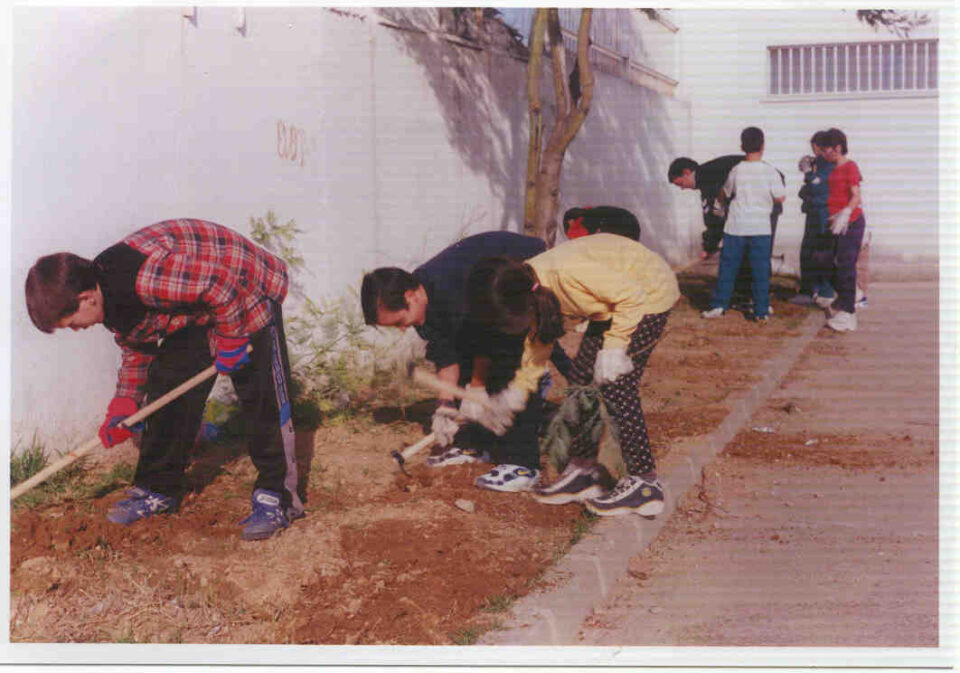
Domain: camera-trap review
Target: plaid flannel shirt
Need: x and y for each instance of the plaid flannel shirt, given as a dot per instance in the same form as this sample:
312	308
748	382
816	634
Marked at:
196	273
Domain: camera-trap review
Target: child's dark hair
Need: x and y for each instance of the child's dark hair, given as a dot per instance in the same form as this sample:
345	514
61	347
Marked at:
836	137
385	287
504	293
601	220
819	139
53	285
751	139
678	166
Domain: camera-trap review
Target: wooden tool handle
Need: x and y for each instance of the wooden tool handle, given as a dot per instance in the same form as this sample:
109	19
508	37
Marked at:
439	385
129	421
414	449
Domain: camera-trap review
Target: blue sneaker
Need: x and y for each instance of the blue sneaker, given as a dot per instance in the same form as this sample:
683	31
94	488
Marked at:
142	504
267	517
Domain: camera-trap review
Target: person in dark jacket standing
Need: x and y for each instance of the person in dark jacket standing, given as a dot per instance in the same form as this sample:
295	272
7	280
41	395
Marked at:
432	300
816	248
178	296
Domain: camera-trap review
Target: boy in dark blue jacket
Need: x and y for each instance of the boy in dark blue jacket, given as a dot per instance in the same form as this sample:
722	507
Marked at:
432	300
816	248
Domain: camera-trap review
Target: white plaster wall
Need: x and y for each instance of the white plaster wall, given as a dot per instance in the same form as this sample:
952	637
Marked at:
399	143
894	141
93	155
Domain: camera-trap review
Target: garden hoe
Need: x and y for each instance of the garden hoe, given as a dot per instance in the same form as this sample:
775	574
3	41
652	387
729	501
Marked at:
129	421
410	451
433	381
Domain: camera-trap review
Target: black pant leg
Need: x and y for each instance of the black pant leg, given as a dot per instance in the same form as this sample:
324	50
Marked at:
263	389
520	445
169	433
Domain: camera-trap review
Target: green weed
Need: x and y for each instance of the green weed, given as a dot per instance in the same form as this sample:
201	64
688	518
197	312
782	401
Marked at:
582	526
466	636
497	604
120	474
27	462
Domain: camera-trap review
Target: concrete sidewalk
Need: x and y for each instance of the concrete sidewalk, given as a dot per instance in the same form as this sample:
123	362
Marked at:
803	554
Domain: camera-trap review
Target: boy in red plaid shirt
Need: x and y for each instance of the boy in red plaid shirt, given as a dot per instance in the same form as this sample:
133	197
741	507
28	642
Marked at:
179	295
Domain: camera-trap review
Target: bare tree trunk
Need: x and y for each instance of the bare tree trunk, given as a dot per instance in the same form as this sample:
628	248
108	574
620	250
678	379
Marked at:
535	115
570	117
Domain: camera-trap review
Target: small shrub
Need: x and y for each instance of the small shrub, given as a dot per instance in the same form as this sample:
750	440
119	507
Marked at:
333	360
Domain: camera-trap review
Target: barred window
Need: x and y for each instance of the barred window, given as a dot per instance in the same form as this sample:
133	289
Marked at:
903	67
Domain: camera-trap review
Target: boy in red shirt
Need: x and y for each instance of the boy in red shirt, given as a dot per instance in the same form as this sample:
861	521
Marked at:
177	296
847	224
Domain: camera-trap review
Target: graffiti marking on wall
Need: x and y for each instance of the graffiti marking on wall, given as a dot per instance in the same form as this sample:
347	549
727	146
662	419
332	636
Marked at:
291	143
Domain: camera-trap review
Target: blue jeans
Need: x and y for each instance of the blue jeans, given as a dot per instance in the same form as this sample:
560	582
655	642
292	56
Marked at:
758	253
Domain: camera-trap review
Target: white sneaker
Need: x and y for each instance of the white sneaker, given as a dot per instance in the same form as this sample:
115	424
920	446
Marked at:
861	299
825	302
455	456
511	478
843	322
713	313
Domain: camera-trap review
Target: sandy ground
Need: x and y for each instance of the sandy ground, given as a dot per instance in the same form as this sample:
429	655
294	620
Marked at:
818	525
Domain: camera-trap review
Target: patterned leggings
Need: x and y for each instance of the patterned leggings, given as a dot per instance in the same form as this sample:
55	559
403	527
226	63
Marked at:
623	395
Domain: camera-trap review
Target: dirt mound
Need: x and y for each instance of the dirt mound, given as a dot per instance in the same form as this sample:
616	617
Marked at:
840	450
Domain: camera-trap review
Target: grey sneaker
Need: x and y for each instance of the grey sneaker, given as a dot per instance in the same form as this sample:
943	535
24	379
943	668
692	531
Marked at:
631	495
825	302
574	485
716	312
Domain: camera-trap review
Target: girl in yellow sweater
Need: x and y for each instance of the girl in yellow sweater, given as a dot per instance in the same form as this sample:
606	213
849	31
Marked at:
598	278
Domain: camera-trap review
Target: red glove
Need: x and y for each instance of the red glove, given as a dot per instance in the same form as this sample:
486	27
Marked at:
111	433
232	353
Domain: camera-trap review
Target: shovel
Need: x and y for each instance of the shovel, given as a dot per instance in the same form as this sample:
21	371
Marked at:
129	421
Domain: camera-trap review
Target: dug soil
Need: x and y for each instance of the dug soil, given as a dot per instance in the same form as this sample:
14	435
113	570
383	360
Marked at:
381	557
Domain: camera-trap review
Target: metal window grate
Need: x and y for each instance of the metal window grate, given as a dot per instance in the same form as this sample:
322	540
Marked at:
853	68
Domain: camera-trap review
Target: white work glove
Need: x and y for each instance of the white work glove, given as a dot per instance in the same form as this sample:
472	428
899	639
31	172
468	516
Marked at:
840	222
806	163
497	413
612	363
444	425
473	410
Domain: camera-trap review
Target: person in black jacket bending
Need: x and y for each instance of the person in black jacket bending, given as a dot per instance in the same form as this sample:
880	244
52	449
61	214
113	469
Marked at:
432	300
708	178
